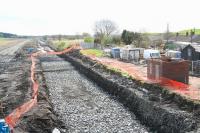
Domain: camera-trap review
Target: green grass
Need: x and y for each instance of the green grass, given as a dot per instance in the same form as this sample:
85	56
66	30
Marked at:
183	32
92	52
171	46
4	41
61	45
151	33
115	70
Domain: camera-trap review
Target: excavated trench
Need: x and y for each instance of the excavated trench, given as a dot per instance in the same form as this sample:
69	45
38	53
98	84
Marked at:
153	106
81	104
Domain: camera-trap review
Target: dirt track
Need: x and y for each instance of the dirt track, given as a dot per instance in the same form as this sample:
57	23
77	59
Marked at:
15	89
14	81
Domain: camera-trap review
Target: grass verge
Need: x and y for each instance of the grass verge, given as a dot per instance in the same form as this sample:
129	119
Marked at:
92	52
7	41
62	44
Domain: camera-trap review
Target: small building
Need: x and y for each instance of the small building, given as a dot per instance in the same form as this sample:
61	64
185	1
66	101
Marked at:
158	69
130	54
85	45
191	52
115	52
151	53
173	54
141	52
124	54
134	54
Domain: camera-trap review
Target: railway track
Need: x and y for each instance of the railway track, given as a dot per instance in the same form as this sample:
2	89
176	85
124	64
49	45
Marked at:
81	104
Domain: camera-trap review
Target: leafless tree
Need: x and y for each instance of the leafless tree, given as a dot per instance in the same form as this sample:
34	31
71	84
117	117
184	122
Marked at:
59	37
104	28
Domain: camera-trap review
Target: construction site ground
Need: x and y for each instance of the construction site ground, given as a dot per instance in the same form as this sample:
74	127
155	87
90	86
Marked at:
139	72
81	104
73	101
16	89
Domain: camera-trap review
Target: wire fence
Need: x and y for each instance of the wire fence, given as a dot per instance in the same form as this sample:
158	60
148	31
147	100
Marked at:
195	68
90	45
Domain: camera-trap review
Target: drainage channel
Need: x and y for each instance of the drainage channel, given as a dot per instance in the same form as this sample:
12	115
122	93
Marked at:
81	104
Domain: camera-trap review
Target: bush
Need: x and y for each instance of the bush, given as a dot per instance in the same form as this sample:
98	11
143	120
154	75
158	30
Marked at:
61	46
116	40
97	40
107	40
88	40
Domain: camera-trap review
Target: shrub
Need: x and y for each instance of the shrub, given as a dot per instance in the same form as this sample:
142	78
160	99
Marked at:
61	46
88	40
107	40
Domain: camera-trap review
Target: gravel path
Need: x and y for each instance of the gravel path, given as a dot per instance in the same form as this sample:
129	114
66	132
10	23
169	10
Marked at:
81	104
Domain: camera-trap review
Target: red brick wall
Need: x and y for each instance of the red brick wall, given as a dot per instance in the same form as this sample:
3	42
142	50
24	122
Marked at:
178	70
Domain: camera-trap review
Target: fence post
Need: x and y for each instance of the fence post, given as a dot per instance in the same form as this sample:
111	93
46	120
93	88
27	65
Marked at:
192	68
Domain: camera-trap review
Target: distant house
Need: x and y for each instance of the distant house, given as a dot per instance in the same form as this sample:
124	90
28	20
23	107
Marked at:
191	52
178	46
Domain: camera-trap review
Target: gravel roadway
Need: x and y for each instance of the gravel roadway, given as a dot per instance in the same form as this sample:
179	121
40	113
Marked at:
81	104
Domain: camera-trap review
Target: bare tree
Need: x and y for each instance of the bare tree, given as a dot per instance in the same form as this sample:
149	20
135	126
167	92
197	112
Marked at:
104	28
59	37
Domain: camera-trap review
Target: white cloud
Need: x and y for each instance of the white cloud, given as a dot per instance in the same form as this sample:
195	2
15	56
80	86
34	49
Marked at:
76	16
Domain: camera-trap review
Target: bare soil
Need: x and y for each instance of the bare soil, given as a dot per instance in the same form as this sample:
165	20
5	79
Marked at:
16	88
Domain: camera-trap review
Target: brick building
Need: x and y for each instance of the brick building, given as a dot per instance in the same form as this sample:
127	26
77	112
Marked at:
177	70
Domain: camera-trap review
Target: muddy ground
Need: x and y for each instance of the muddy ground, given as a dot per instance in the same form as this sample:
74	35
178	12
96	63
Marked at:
15	89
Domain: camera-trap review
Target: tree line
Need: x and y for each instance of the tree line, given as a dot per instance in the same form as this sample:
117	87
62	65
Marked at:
7	35
106	32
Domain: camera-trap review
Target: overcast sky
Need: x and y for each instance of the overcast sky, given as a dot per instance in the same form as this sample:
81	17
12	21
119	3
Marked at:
39	17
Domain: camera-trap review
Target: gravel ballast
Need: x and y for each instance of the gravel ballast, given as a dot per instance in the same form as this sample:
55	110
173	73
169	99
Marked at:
81	104
153	106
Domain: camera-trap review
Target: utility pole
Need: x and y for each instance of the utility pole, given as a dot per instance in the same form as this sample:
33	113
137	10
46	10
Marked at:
167	33
192	34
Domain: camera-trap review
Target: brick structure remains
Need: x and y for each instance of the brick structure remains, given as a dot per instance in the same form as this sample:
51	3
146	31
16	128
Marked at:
158	69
